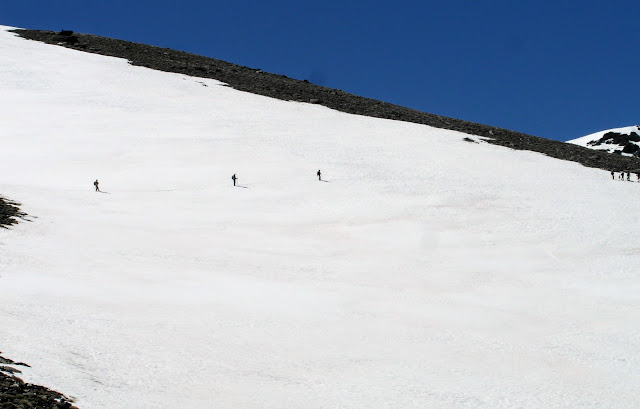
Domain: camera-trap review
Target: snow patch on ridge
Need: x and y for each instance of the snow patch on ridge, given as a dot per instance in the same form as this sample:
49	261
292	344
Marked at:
615	140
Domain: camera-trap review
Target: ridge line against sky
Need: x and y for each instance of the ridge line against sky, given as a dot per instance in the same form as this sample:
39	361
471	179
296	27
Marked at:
559	70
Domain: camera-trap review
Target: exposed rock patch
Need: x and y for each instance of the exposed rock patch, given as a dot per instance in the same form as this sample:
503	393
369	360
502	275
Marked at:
9	213
17	394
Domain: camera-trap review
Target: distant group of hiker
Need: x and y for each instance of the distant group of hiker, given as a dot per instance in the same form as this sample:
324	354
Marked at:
234	178
621	176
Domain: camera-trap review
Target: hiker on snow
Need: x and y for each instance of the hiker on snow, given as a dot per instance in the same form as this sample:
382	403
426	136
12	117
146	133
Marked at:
96	185
319	175
234	178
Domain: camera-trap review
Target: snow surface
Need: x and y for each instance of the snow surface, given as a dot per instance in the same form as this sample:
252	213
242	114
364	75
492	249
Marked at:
584	140
426	272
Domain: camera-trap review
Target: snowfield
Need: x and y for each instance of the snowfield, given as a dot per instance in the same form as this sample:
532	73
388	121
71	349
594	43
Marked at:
425	272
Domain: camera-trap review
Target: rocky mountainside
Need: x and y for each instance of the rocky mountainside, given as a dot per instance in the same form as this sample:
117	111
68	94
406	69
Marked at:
281	87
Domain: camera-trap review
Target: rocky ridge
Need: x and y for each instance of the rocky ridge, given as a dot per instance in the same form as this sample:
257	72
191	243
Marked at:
281	87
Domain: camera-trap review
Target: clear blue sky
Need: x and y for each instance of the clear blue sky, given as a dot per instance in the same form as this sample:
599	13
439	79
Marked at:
556	69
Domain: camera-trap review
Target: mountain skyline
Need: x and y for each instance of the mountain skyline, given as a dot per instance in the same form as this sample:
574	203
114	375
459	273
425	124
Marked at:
555	70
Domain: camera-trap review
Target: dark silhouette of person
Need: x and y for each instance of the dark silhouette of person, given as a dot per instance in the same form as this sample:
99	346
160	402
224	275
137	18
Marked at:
319	175
613	175
621	177
629	176
234	178
96	185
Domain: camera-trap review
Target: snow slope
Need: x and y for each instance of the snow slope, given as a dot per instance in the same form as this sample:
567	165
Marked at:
426	272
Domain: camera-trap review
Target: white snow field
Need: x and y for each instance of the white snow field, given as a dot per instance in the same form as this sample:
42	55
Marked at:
426	272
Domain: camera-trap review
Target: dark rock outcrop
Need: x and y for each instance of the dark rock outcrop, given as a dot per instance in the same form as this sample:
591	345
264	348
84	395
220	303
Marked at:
281	87
17	394
630	147
9	213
